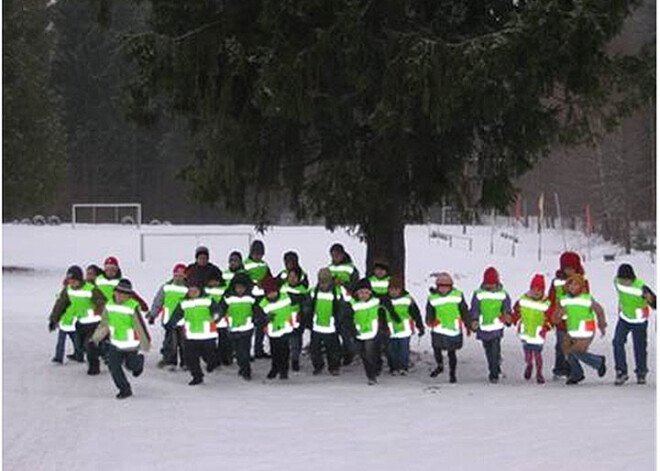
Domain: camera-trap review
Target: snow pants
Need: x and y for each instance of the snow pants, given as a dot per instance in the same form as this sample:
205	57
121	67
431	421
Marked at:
329	342
240	342
225	352
493	350
295	345
639	332
279	352
398	353
561	368
441	342
60	346
173	347
369	352
117	359
84	333
194	350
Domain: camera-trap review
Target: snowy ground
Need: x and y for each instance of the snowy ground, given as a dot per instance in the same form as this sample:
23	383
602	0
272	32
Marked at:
56	417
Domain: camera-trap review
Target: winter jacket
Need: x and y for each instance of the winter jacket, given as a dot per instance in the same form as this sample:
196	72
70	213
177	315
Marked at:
547	325
63	303
462	307
385	309
552	295
200	275
337	307
102	331
475	311
178	314
415	315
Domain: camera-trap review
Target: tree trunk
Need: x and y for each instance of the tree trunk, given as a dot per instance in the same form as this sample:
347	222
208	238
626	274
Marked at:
386	241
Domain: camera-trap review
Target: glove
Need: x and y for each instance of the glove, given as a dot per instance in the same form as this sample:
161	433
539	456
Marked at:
474	326
421	332
151	320
52	325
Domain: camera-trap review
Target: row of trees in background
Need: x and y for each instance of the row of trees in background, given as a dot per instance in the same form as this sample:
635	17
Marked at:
360	114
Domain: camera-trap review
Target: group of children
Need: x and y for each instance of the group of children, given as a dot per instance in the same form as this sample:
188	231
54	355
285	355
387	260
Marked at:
216	316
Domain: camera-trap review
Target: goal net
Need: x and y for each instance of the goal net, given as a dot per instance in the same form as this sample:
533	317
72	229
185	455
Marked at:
106	213
174	246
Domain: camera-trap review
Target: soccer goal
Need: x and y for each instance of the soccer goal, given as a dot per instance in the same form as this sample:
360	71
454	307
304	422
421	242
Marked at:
184	241
108	213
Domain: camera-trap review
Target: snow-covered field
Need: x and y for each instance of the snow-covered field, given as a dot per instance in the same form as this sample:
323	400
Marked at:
58	418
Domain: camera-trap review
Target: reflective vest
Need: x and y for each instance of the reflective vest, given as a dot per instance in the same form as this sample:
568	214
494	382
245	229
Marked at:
323	319
106	286
239	312
280	315
365	317
257	271
284	274
298	290
405	327
123	324
198	319
633	307
491	304
342	272
379	285
172	295
447	312
216	293
228	275
580	317
82	304
532	319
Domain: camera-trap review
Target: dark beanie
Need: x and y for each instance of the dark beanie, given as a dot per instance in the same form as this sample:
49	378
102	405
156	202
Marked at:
257	247
626	271
337	248
362	284
201	250
124	286
75	273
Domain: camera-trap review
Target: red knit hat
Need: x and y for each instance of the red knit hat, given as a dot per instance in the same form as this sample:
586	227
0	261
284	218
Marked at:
491	277
538	282
179	267
111	261
270	284
572	260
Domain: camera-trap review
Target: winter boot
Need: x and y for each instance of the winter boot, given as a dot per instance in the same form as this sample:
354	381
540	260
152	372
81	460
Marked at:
571	381
93	370
284	375
139	367
452	377
318	371
334	372
124	394
603	369
641	379
539	378
621	378
439	369
372	381
195	381
272	374
295	365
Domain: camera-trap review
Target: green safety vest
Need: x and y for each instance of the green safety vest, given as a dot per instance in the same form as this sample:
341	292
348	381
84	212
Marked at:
80	308
532	319
285	273
379	285
228	275
106	286
216	293
633	307
365	317
239	312
447	312
580	317
198	319
255	270
490	309
280	315
342	272
300	290
405	327
172	295
123	324
323	320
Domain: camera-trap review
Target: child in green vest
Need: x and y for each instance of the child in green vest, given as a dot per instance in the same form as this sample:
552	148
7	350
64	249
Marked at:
292	262
532	315
582	314
277	310
92	272
398	347
79	301
240	309
346	276
215	289
299	294
491	308
198	312
446	312
165	302
323	318
123	326
380	279
368	317
258	270
635	302
234	265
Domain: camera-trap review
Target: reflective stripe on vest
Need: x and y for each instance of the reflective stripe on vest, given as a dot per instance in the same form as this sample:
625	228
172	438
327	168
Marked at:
373	328
633	308
320	328
131	340
453	298
341	268
208	327
538	308
407	323
496	323
579	307
282	304
90	316
248	325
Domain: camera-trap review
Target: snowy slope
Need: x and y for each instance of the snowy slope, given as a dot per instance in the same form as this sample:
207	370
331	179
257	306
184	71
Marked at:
56	417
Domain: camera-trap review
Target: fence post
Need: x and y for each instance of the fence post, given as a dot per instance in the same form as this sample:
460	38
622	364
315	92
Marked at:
141	247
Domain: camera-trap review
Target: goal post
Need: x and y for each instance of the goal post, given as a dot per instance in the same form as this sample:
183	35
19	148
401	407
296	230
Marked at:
196	235
116	206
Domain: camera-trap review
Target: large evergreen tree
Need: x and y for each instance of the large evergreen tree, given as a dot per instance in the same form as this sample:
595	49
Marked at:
366	113
33	153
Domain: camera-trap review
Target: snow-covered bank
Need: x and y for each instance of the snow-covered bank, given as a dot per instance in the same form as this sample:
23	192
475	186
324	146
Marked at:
59	418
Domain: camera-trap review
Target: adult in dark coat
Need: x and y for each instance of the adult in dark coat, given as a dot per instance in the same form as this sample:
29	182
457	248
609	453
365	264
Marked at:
202	270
